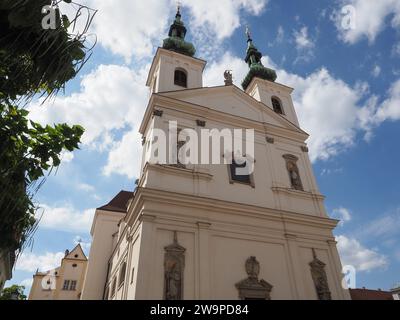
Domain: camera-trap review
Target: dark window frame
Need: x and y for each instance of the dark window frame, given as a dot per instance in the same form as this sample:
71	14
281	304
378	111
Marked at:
180	77
233	178
277	105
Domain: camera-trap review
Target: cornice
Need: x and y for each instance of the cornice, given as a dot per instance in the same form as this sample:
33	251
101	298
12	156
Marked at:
194	111
227	207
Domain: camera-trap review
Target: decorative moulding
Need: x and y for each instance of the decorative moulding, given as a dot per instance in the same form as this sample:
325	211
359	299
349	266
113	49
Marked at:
158	113
201	123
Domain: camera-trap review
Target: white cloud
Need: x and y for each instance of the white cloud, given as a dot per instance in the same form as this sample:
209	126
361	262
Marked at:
222	17
27	283
111	97
85	244
66	156
280	36
85	187
329	109
363	259
343	214
214	73
30	262
131	28
125	155
370	19
302	39
66	218
117	31
386	226
390	109
304	45
376	71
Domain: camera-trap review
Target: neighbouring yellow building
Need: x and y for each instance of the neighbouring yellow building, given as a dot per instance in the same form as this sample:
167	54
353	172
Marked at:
202	231
64	282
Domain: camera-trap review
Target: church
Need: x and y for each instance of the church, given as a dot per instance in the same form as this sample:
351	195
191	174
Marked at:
195	231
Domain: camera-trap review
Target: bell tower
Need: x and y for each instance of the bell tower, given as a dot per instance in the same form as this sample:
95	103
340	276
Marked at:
174	66
260	84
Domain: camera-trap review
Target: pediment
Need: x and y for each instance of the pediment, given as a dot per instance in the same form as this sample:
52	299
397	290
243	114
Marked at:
233	101
76	253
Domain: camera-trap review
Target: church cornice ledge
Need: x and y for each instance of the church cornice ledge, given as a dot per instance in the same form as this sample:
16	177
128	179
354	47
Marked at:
299	193
223	206
186	172
194	111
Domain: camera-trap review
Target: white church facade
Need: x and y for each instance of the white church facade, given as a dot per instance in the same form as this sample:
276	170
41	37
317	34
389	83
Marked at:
199	231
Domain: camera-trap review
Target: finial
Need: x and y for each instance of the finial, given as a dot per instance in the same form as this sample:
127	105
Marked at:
178	7
248	33
175	237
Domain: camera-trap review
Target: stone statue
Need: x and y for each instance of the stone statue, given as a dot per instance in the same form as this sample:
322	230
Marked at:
320	279
174	264
228	77
252	288
294	176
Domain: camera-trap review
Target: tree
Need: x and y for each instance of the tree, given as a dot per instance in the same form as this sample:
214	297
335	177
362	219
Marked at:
33	61
13	293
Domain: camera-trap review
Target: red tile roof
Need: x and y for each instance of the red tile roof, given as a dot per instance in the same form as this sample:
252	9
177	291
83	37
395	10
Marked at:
119	203
366	294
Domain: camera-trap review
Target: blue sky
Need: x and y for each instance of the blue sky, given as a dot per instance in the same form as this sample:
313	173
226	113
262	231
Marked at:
347	96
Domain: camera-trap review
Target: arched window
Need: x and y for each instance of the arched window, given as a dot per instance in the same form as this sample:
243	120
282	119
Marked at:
277	105
180	78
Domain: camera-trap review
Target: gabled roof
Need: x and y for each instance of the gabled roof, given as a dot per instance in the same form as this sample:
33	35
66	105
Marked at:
191	94
119	203
76	253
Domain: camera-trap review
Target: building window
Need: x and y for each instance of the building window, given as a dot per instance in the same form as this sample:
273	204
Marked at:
72	287
74	265
293	171
66	285
277	105
132	275
180	78
236	176
122	273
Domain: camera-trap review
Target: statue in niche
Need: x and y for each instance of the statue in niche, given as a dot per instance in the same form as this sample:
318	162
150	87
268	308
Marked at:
174	264
320	279
293	171
252	288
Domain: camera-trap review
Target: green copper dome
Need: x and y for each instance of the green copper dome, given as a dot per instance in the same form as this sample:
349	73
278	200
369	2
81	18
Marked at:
253	59
176	38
